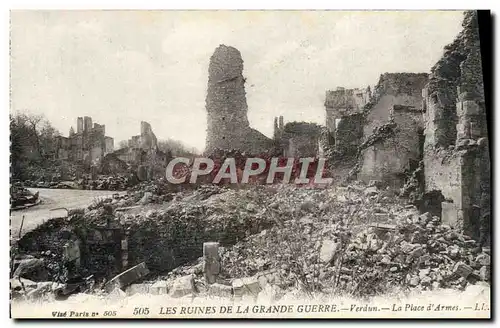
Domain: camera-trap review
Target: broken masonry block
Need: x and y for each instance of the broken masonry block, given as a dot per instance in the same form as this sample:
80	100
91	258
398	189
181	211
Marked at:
182	286
220	290
483	259
485	273
462	269
211	262
246	286
138	289
127	277
425	218
417	252
158	288
328	250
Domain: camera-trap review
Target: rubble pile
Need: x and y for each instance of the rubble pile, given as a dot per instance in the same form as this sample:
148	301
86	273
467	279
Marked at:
351	244
21	197
356	240
168	237
413	187
116	182
111	182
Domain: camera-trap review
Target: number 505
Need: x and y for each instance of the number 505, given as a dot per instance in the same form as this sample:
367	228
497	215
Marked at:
139	311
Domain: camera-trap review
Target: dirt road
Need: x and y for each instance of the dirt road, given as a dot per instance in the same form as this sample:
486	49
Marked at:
50	199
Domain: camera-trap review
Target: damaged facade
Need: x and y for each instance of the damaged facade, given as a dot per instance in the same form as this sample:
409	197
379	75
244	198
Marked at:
296	139
412	121
141	153
89	143
344	117
397	106
456	156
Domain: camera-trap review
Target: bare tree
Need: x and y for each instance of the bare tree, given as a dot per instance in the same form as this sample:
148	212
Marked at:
123	144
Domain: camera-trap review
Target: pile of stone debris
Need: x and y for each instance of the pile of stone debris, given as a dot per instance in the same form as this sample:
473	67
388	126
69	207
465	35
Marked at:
112	182
356	240
118	182
21	197
328	246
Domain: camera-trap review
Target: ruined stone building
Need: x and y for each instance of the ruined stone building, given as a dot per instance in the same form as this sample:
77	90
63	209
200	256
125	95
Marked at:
296	139
88	143
456	156
141	146
142	153
344	117
397	105
435	123
382	130
227	121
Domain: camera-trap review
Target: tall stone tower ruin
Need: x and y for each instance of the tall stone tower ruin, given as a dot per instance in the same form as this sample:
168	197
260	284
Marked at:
226	104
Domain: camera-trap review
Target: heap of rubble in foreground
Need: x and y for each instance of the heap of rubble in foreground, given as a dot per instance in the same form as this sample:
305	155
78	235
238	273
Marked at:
348	241
355	241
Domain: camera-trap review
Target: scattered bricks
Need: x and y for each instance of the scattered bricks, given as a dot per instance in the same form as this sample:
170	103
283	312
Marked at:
383	230
182	286
462	269
425	259
220	290
43	288
374	245
146	199
485	273
371	191
449	214
483	259
470	243
267	277
328	251
451	236
414	281
418	238
246	286
159	288
386	259
454	251
417	252
375	183
423	273
211	266
426	281
406	247
425	218
127	277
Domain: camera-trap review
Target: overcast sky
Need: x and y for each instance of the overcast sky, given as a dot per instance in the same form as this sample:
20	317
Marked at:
121	67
